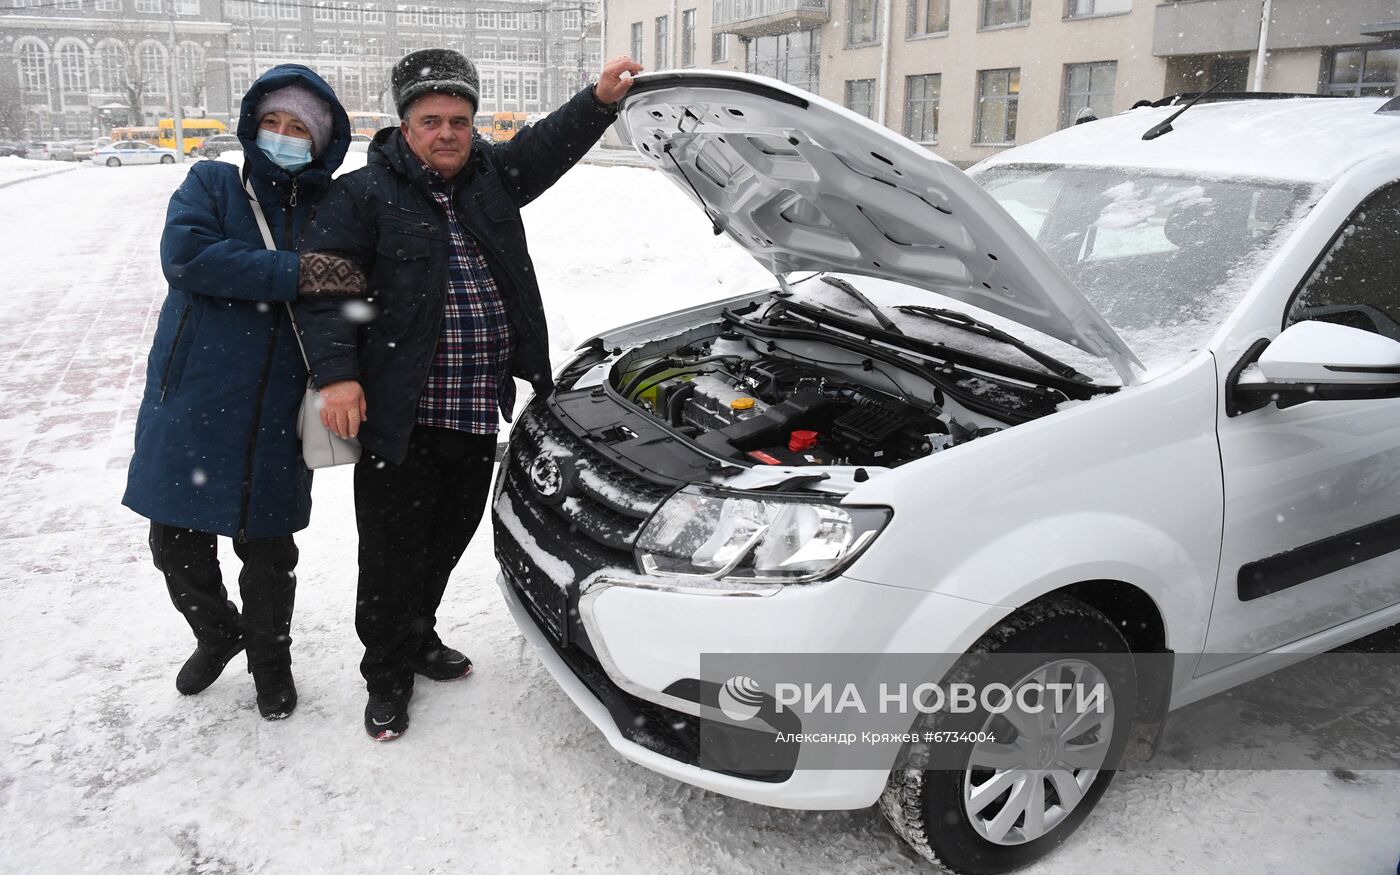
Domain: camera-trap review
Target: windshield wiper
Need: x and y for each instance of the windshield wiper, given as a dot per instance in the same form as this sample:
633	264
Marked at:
880	317
1165	126
967	323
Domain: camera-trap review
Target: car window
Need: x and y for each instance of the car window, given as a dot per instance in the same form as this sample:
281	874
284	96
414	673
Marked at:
1357	283
1163	256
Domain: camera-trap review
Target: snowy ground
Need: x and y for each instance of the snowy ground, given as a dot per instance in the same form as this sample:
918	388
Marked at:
104	767
14	169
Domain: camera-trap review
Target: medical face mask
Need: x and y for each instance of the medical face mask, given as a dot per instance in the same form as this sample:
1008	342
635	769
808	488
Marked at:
289	153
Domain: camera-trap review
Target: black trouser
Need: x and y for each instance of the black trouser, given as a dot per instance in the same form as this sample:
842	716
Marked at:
415	521
190	562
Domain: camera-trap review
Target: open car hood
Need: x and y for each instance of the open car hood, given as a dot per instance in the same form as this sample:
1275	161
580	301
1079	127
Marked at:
804	184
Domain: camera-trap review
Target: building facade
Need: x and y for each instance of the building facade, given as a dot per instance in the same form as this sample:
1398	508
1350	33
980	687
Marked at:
76	68
967	78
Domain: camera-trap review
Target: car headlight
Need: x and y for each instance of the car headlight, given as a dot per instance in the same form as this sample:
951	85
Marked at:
703	531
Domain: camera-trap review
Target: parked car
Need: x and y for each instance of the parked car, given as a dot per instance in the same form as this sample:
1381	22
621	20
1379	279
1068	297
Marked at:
50	151
132	152
217	145
82	150
1104	395
16	150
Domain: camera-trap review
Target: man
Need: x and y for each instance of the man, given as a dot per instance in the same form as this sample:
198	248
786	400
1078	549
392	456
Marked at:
454	313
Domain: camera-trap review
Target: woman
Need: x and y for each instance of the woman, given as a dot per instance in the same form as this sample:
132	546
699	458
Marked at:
216	446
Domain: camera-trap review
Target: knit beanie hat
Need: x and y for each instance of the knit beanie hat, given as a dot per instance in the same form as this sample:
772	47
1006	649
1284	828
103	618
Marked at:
306	106
435	71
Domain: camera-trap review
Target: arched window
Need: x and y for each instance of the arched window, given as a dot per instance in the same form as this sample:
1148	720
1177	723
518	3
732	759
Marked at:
33	66
111	67
72	67
150	58
189	67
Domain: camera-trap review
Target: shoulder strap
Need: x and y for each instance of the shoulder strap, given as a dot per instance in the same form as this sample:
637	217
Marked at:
271	244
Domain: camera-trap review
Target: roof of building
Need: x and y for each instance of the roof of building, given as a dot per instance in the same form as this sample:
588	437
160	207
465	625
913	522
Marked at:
1310	139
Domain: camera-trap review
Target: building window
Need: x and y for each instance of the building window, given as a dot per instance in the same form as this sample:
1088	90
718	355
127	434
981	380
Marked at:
530	88
573	19
323	12
688	38
1364	72
488	87
1000	13
792	57
240	80
510	51
432	16
147	5
33	66
719	48
530	52
510	91
663	42
997	94
288	10
928	16
486	21
921	107
349	12
530	21
636	53
262	9
862	22
486	51
374	14
860	96
151	62
1088	86
111	67
72	68
109	6
186	7
510	21
1086	8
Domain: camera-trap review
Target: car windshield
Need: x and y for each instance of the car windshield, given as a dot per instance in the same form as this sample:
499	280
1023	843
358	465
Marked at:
1163	257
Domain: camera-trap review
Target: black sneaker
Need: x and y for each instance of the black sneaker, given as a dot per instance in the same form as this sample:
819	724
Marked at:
205	665
386	715
277	694
441	663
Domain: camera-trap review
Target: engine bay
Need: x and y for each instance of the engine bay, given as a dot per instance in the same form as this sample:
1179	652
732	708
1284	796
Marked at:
768	410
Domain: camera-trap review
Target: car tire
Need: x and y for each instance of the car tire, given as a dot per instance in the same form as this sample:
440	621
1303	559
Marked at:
114	162
933	809
167	159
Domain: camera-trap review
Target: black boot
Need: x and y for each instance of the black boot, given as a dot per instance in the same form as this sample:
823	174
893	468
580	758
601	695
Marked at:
386	714
205	665
277	694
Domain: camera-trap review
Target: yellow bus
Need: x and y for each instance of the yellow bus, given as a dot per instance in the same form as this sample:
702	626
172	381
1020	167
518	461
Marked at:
505	124
369	123
196	129
141	135
482	121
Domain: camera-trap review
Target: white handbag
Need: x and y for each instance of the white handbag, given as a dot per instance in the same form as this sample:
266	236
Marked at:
320	447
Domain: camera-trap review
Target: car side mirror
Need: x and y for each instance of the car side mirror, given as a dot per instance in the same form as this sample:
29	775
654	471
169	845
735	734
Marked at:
1315	361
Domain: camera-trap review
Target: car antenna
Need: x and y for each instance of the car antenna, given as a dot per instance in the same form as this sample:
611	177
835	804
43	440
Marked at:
1165	126
713	223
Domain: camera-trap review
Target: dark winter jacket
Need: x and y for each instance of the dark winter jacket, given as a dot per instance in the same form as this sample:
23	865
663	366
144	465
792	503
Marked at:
216	446
384	218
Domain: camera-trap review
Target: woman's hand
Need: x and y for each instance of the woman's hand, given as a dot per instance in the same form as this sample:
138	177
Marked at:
343	407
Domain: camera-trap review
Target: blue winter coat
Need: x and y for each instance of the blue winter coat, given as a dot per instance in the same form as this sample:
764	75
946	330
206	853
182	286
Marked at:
216	446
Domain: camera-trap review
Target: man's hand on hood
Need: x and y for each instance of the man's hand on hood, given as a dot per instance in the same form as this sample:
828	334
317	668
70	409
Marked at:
616	79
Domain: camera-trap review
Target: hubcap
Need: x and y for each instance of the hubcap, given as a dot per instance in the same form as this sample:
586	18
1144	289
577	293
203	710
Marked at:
1024	783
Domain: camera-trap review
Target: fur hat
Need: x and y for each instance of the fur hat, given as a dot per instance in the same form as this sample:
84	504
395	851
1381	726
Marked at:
435	71
306	106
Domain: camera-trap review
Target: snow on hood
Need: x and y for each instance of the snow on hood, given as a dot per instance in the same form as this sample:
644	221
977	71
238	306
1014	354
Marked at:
804	184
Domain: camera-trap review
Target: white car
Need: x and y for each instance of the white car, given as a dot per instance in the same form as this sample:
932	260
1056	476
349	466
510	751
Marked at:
1105	394
132	152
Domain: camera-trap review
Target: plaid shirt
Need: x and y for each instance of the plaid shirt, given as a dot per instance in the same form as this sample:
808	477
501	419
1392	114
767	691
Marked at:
469	381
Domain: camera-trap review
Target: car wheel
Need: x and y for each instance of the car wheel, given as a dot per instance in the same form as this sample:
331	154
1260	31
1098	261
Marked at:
114	162
1017	798
167	159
